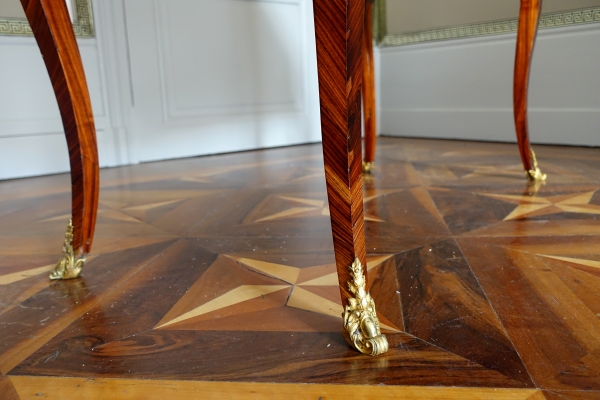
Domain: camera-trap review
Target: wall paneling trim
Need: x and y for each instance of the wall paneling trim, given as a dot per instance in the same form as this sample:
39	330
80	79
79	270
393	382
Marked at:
169	79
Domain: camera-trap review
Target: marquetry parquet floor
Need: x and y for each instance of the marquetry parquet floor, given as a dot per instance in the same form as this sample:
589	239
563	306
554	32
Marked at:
215	275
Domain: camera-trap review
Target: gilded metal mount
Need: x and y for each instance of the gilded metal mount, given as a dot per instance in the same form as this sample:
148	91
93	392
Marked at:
367	167
535	175
70	265
361	325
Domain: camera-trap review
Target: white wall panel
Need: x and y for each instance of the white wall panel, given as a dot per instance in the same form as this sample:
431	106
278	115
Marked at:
260	71
463	88
169	79
213	76
31	133
27	103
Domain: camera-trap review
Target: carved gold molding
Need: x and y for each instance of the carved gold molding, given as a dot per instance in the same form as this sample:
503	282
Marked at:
535	174
361	324
83	27
554	20
70	265
367	167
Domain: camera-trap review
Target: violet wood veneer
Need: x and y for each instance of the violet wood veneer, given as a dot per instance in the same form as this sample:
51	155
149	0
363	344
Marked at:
529	16
51	26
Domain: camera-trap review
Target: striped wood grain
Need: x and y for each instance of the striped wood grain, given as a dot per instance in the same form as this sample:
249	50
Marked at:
338	31
53	32
368	88
528	24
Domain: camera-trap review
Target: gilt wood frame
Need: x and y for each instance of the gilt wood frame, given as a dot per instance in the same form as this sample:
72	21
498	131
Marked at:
83	26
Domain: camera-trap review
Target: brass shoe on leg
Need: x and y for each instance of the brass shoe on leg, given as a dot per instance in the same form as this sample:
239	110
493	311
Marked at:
535	174
361	325
70	265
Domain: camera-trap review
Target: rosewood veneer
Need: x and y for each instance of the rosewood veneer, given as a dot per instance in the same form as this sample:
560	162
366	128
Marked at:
529	16
51	26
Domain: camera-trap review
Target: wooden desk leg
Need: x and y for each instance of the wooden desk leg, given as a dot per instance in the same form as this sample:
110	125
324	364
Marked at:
368	89
338	31
528	25
49	20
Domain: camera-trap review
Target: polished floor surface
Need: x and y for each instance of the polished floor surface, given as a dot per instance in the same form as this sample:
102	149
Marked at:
215	274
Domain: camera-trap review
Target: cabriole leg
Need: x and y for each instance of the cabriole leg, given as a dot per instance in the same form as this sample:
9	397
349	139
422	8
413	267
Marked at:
338	30
528	25
49	20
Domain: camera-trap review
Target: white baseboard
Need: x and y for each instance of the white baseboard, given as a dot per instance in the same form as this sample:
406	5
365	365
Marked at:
551	127
24	156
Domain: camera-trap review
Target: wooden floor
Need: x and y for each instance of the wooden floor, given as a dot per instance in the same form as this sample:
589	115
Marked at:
216	274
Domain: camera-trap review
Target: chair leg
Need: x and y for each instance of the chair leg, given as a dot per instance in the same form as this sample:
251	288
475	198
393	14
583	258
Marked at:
528	25
338	31
368	89
53	32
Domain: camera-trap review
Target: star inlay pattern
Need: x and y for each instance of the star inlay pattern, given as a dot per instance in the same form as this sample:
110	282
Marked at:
529	206
281	289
